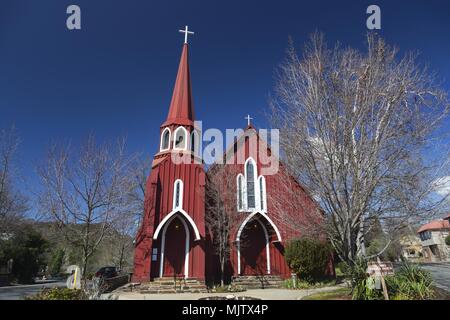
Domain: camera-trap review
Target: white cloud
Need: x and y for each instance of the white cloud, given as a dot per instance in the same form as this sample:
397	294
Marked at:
442	186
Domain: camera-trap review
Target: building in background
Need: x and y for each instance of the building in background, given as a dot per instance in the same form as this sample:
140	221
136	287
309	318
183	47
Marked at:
411	248
432	236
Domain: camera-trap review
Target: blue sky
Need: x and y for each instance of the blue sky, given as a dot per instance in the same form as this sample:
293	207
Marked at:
115	76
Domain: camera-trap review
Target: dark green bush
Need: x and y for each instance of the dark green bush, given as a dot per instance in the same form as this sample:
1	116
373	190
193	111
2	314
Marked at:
344	268
56	262
308	258
27	250
447	240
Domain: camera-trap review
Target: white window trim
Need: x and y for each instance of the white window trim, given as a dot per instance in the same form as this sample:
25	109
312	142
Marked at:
250	216
162	140
255	185
185	139
180	202
240	175
170	215
264	193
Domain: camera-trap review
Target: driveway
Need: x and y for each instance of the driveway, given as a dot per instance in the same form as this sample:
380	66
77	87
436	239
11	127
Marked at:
440	273
21	291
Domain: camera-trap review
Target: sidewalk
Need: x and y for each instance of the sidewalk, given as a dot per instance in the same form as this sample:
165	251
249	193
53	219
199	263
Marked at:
263	294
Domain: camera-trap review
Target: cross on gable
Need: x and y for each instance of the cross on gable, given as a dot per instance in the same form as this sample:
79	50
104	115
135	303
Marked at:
186	33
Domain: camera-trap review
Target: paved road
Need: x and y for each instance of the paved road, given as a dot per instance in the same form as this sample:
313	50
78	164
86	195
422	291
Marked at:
440	273
19	292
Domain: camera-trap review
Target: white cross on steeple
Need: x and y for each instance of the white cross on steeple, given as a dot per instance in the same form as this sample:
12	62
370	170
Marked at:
248	119
186	32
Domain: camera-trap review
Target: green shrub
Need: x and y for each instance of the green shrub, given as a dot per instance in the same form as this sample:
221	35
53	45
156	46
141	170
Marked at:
308	258
27	250
342	269
447	240
410	282
228	288
362	288
56	262
301	284
58	294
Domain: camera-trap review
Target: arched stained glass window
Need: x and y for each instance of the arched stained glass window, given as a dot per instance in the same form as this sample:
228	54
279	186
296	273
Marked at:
250	176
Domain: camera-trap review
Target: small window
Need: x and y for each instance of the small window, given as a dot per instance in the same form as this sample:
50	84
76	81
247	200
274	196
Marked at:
178	194
165	139
262	193
180	141
155	254
195	143
240	204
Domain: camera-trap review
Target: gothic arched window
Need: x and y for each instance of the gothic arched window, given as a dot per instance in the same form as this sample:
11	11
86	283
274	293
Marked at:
178	194
250	174
180	140
262	193
165	139
240	192
195	142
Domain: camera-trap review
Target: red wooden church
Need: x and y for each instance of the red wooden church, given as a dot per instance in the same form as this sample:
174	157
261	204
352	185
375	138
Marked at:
173	240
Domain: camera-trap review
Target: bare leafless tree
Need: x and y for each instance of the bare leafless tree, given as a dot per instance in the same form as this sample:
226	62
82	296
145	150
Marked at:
298	212
221	214
84	191
13	204
353	129
120	238
125	224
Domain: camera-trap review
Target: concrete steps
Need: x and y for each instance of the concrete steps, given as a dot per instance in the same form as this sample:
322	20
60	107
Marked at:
258	282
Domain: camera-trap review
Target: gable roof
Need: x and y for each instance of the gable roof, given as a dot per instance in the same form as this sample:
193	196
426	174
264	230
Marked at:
435	225
253	131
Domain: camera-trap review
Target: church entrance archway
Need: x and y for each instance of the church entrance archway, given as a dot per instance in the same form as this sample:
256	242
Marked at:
254	249
175	249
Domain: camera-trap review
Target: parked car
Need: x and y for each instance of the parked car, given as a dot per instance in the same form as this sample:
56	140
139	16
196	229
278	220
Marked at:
107	272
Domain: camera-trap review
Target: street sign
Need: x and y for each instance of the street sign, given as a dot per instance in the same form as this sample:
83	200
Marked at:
380	268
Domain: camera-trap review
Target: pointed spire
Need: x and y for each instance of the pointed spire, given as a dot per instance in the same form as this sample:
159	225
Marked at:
181	109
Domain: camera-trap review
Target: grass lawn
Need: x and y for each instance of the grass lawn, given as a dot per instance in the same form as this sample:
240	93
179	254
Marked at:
344	294
339	294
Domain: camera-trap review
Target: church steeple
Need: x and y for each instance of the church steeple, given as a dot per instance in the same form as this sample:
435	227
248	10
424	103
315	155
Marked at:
181	110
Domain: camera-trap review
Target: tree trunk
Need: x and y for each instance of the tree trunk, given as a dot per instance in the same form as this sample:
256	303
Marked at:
84	270
222	271
360	241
